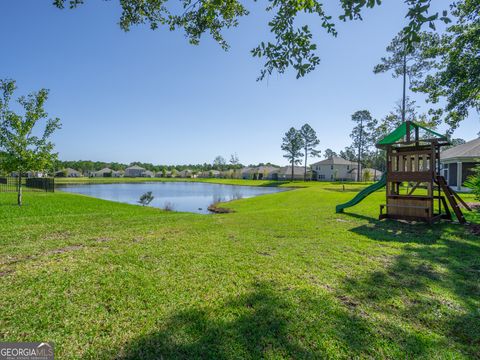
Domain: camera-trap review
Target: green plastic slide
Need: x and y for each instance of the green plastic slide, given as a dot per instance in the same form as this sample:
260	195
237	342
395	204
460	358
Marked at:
363	194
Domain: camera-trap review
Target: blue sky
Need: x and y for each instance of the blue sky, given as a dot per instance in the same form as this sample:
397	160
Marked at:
150	96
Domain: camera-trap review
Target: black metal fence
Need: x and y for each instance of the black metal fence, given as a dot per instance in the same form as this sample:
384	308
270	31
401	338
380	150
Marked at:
10	184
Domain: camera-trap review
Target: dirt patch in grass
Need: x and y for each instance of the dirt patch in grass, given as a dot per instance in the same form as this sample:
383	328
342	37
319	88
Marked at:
348	301
5	272
219	210
63	250
474	229
263	253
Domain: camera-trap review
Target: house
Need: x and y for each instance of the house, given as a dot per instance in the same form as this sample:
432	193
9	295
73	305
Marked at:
334	169
285	173
160	174
105	172
134	171
117	174
148	174
246	173
185	173
368	174
258	173
68	172
457	163
211	174
30	174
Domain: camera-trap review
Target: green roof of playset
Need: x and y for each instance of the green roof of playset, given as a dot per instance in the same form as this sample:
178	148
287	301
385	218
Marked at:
403	130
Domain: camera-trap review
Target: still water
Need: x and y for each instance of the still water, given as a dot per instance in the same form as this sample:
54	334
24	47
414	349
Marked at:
180	196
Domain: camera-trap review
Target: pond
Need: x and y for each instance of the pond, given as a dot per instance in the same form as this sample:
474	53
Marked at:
179	196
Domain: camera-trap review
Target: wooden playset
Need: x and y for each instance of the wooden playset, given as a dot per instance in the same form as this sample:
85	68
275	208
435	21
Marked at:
415	190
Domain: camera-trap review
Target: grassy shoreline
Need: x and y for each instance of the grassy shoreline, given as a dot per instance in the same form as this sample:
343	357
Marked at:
282	276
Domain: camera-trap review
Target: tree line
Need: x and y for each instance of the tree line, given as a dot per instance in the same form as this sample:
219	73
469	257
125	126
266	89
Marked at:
87	165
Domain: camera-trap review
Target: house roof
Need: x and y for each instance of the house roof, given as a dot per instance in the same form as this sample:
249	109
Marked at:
259	169
135	167
70	171
470	149
335	160
287	170
104	170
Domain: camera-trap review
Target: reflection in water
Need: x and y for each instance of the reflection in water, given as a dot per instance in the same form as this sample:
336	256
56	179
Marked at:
177	196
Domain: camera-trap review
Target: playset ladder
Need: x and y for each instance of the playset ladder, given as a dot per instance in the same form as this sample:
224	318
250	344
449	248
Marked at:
452	199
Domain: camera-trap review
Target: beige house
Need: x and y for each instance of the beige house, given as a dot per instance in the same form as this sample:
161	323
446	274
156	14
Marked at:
68	172
186	173
258	172
134	171
285	173
334	169
105	172
457	163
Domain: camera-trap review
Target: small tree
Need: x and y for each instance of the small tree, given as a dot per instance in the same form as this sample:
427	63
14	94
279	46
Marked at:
367	176
24	151
310	142
293	145
473	182
146	198
219	163
234	161
360	135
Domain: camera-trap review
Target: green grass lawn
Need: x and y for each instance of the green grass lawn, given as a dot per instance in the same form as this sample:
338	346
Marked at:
281	277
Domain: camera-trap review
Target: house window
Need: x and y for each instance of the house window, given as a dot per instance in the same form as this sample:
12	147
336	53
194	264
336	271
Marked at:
331	177
348	167
331	167
321	177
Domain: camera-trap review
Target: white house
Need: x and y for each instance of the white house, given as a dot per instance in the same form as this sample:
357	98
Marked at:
148	173
134	171
458	162
333	169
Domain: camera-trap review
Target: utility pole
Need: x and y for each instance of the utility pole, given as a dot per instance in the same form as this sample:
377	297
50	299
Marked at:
404	83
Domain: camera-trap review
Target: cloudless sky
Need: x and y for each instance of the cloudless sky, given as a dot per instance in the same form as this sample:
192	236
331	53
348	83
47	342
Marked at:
150	96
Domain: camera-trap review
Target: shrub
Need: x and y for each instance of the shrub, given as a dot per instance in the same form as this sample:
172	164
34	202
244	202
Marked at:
168	206
146	199
473	182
